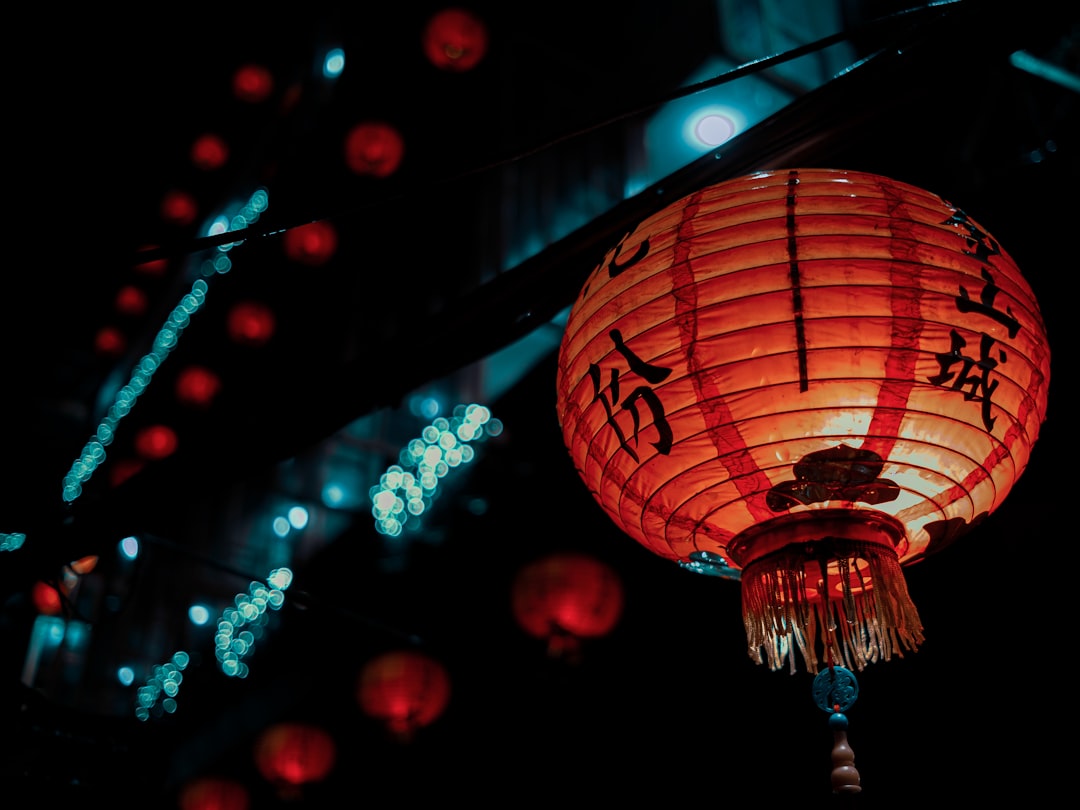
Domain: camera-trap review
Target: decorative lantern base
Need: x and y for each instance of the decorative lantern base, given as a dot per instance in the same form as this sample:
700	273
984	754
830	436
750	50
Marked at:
829	583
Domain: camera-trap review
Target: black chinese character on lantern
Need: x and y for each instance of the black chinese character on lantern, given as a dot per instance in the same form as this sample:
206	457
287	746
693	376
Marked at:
982	245
614	268
985	305
653	375
973	376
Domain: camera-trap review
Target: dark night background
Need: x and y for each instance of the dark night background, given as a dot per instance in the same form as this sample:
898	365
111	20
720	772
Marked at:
668	707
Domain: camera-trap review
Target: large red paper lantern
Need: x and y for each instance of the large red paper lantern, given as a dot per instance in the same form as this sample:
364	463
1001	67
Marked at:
806	379
565	597
293	754
405	690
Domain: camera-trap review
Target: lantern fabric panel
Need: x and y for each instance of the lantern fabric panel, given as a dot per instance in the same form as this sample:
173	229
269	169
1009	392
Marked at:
801	341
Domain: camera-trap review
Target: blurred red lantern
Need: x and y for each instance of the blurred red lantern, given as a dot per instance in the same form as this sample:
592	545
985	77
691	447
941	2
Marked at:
405	690
455	39
374	148
312	244
197	386
251	323
179	207
209	151
156	442
110	342
293	754
214	793
130	300
47	598
252	83
808	379
566	597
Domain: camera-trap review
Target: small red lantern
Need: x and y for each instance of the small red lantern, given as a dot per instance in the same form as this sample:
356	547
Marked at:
214	793
156	442
109	342
197	386
312	244
807	378
455	40
179	208
252	83
374	148
131	300
209	152
405	690
47	598
251	323
293	754
566	597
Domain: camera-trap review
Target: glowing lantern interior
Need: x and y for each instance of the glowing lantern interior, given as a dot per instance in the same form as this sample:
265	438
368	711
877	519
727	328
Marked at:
813	376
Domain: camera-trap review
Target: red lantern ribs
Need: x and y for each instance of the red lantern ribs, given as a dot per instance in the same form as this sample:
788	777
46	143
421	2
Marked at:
814	377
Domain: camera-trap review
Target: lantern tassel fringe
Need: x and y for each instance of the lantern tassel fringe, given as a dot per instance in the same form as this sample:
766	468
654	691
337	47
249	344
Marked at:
785	600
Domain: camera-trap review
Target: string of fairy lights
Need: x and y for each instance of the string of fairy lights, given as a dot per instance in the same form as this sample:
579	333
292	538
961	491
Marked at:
238	628
93	453
405	491
409	487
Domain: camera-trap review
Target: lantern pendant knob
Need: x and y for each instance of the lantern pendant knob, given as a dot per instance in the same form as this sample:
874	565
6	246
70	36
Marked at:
835	690
845	778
